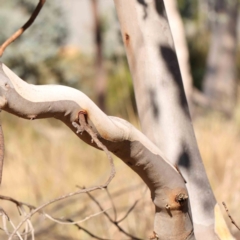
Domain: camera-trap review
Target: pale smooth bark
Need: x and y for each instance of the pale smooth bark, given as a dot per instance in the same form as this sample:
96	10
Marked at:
180	42
161	102
220	82
168	190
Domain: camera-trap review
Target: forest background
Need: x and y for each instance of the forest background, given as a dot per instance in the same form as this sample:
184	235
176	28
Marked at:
78	43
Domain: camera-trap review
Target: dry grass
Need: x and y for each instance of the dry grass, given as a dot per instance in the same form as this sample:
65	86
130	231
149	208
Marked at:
44	160
219	143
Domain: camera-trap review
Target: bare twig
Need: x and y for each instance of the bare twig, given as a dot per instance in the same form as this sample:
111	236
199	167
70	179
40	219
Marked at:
39	209
85	127
87	231
129	211
232	221
62	221
111	220
113	205
20	31
18	203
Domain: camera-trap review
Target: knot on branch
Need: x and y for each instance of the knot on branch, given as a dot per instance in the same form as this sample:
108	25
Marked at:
181	198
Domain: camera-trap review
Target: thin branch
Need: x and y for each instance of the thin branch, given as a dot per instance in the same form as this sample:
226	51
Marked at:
111	220
82	116
18	203
232	221
62	221
39	209
20	31
113	205
17	232
88	232
129	211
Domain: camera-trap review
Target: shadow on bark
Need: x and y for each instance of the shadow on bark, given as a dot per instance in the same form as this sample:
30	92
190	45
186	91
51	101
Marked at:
184	158
171	61
160	8
154	105
145	6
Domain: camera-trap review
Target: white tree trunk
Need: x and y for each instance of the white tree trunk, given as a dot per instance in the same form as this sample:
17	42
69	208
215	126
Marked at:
161	102
180	42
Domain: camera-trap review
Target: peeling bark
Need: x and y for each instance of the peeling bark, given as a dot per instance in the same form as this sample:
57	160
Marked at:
168	190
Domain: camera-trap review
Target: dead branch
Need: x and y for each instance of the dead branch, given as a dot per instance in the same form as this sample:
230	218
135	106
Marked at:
18	203
116	223
80	128
20	31
88	232
40	208
33	210
230	217
64	222
112	203
79	227
85	127
67	221
129	211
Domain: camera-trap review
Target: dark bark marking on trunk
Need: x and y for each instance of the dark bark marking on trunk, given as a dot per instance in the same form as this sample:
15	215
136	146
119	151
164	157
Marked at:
153	101
171	62
159	4
127	38
184	158
145	6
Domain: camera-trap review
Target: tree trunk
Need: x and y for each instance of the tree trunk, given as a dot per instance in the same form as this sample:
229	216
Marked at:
220	82
180	43
100	85
161	102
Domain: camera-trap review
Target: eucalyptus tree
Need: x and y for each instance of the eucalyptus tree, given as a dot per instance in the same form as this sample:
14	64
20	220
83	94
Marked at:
162	105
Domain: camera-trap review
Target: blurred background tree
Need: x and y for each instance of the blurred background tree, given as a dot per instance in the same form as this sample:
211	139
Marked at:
220	81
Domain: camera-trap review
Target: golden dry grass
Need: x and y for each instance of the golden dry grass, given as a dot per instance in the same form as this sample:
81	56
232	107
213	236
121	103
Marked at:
45	160
219	144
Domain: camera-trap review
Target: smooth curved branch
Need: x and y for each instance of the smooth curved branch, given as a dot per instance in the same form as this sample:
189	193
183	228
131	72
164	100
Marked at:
64	103
120	137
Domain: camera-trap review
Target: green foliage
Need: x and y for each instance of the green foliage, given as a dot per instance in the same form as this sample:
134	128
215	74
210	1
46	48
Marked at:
188	9
120	94
198	38
27	55
198	51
